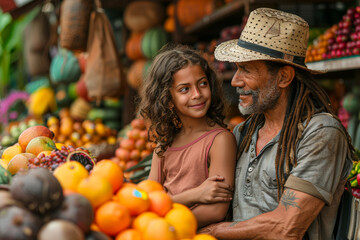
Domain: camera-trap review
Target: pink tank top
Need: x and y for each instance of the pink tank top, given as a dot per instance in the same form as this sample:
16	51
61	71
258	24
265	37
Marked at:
186	167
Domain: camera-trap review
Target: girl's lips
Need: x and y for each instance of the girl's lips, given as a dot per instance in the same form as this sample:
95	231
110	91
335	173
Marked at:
198	105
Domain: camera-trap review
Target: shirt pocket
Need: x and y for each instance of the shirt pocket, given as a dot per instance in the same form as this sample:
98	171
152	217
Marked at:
237	188
268	192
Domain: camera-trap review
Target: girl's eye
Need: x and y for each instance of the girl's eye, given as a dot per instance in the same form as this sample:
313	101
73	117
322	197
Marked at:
204	83
183	89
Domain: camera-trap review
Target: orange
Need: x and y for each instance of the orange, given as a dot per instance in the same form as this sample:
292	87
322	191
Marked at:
159	229
70	174
134	199
140	222
129	234
11	151
96	189
203	236
94	227
112	218
160	202
183	220
110	171
150	185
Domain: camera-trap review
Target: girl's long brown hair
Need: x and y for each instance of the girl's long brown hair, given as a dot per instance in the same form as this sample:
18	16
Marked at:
305	99
155	94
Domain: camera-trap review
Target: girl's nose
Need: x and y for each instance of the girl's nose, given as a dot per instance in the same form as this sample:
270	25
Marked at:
196	93
237	80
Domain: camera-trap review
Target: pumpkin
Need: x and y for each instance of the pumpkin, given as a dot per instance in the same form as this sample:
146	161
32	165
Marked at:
137	72
142	15
189	11
153	40
133	46
64	67
169	24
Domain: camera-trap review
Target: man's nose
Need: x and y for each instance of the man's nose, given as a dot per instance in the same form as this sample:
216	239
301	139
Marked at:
237	80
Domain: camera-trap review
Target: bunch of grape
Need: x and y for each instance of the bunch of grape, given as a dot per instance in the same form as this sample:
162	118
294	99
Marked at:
55	159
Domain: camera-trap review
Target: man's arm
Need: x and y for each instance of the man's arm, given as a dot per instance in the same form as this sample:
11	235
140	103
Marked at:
290	220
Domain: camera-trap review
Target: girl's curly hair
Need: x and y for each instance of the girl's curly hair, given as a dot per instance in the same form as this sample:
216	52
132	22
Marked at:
155	93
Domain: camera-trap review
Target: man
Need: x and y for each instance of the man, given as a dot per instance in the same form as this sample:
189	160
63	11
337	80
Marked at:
294	155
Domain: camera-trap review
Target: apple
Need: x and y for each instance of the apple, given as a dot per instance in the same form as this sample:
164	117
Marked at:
356	51
350	11
357	21
357	9
348	52
346	31
356	15
341	45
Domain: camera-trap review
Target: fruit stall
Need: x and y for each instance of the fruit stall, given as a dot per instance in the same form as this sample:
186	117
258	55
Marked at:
71	124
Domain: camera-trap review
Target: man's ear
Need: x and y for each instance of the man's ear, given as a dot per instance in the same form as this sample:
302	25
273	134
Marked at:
286	74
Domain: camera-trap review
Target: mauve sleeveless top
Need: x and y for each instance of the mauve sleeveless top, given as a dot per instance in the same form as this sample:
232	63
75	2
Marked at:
186	167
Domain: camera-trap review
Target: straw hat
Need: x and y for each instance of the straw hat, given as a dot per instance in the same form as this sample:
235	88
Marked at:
272	35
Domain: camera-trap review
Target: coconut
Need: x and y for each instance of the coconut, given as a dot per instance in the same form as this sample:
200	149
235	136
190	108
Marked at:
60	230
17	223
77	209
38	190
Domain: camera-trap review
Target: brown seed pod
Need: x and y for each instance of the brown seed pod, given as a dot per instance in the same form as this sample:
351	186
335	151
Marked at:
38	190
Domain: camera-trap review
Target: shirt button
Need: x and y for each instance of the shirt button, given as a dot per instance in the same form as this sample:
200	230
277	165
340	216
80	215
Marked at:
248	180
250	169
252	155
252	149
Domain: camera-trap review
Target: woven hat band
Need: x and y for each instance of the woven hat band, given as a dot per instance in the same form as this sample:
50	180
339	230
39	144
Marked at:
271	52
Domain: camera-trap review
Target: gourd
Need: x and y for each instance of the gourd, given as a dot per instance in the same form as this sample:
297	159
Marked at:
140	16
133	46
137	73
153	40
64	67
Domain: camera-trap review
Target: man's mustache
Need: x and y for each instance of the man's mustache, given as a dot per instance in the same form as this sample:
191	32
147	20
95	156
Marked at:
244	92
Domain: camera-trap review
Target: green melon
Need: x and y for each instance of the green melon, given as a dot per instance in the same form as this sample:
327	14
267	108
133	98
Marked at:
351	103
64	67
153	40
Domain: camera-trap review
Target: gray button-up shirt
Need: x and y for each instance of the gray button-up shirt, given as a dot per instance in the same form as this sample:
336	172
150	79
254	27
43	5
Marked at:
323	160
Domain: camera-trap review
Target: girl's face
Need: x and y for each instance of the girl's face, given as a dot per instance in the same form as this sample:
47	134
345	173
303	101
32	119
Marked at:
190	92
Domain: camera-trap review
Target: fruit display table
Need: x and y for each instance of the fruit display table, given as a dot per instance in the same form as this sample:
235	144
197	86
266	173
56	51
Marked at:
337	64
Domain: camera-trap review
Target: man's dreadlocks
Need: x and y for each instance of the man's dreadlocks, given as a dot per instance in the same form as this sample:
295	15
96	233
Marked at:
305	99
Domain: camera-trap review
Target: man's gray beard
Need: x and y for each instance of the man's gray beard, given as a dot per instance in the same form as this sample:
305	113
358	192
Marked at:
269	100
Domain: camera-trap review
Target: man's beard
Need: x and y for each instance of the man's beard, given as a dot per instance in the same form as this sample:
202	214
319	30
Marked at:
269	99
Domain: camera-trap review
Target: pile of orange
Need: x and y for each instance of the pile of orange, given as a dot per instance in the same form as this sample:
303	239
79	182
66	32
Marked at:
124	211
134	146
79	133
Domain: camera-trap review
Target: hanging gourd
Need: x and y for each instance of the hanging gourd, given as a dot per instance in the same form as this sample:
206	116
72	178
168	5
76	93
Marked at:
133	46
137	72
153	40
64	67
74	22
140	16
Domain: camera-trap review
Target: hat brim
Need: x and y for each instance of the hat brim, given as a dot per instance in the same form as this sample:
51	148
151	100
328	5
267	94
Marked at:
231	52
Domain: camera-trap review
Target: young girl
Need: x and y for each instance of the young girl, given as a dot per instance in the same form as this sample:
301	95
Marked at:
195	155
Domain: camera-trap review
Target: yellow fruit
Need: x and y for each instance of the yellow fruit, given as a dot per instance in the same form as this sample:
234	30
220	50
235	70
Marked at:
159	229
203	236
17	163
52	121
59	145
4	163
11	151
70	174
183	220
96	189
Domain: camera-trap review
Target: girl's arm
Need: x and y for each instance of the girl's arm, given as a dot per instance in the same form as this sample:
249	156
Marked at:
222	162
154	171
